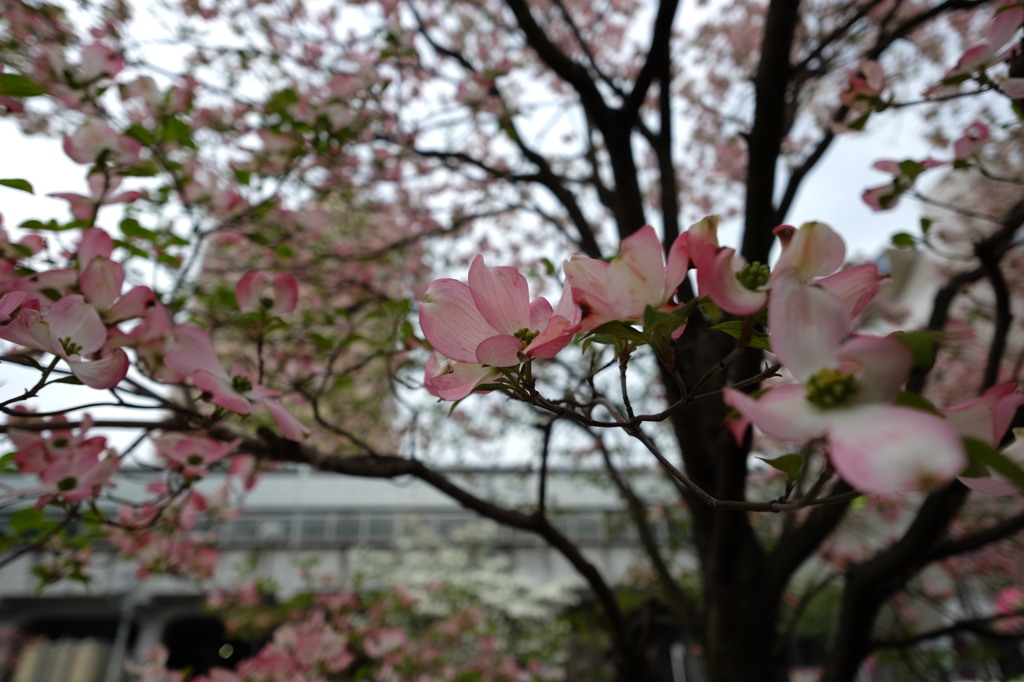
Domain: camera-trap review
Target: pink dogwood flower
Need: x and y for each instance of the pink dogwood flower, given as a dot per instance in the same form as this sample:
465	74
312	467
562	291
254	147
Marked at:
71	465
277	293
974	138
80	478
193	454
1003	27
864	88
847	384
94	140
623	288
813	252
102	190
884	197
492	321
190	353
987	419
72	330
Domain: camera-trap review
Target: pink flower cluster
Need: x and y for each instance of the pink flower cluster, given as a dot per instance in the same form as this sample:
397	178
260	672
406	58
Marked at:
75	313
845	384
491	323
1007	20
71	465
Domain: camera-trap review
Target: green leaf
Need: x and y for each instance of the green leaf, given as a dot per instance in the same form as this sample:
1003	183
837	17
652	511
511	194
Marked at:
903	240
144	136
654	318
132	229
734	328
7	464
49	226
993	459
26	520
926	225
23	185
914	401
792	465
13	85
176	130
710	309
619	331
924	345
910	168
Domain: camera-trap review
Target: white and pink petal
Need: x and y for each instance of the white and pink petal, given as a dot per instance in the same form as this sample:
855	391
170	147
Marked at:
107	372
455	380
782	413
807	325
451	321
502	296
881	448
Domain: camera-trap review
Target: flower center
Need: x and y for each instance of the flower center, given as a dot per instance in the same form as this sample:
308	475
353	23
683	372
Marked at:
194	460
241	384
831	388
526	336
70	347
753	275
66	484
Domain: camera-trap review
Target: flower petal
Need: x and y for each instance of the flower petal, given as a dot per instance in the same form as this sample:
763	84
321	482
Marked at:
106	372
455	380
219	391
451	321
885	448
587	279
636	277
881	365
989	416
782	413
807	324
501	295
1013	87
678	263
101	282
556	336
540	313
291	428
500	351
189	349
813	251
855	286
72	318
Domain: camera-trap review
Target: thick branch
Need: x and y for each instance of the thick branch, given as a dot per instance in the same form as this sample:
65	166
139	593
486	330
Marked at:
771	86
657	58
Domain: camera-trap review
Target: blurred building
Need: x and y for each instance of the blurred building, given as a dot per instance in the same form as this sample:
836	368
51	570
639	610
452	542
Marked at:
292	519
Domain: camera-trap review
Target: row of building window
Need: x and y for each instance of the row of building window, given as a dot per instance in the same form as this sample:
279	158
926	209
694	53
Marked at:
311	528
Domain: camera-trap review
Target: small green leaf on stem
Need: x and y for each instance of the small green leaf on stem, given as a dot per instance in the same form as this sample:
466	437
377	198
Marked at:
15	183
14	85
792	465
992	459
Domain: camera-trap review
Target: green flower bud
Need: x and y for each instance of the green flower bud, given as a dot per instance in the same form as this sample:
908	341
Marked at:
753	275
